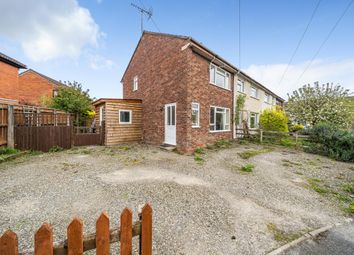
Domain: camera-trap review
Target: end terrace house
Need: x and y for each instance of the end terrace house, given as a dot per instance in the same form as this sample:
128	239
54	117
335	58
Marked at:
188	92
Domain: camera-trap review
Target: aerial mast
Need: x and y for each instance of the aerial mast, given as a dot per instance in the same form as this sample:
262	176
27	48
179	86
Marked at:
143	12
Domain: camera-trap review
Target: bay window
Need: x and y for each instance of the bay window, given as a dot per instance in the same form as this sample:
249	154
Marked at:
219	77
219	119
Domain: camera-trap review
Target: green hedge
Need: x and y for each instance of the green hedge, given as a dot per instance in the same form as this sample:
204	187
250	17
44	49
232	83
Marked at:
328	140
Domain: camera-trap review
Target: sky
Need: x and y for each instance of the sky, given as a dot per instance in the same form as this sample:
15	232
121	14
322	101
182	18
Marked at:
92	41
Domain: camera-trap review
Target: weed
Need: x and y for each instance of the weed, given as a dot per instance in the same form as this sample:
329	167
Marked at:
56	149
35	153
198	158
199	151
315	185
251	153
124	148
7	151
293	163
351	207
299	173
343	198
281	235
348	187
222	144
247	168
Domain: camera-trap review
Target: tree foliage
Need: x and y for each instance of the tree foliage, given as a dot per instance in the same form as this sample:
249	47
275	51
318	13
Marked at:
274	119
240	103
311	105
72	98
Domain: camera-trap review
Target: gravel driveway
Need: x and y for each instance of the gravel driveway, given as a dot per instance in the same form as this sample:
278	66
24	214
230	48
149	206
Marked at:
199	208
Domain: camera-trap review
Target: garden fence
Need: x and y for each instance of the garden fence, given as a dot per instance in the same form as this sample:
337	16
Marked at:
76	243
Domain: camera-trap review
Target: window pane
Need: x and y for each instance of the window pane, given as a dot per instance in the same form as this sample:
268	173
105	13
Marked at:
220	80
173	115
219	121
124	116
195	114
212	74
168	109
212	114
227	81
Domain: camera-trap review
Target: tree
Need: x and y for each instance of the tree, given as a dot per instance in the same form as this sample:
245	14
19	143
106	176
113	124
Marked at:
274	119
311	105
72	98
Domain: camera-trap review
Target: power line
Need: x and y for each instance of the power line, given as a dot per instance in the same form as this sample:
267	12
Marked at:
300	41
325	40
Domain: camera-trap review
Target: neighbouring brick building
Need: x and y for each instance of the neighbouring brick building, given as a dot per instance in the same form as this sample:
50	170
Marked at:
25	88
9	85
33	86
188	92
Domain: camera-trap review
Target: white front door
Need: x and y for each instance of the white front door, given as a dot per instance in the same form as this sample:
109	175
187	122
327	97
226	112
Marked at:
170	124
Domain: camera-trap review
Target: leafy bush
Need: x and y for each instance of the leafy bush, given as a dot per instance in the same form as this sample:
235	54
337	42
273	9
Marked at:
296	127
328	140
274	120
7	151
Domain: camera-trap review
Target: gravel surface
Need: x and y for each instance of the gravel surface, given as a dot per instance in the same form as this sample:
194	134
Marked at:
199	208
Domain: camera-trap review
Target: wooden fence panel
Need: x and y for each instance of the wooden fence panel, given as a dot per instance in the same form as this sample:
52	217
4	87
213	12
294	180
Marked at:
42	138
43	240
102	235
146	231
3	124
87	139
76	243
75	237
9	243
126	233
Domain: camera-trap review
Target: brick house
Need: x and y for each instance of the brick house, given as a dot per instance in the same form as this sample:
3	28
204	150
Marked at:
33	86
188	92
9	84
25	88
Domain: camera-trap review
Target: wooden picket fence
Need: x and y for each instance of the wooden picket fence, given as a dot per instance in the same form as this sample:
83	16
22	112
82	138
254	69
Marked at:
77	243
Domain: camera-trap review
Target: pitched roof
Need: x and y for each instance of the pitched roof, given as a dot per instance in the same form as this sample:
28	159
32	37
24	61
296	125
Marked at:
44	76
115	100
11	61
195	45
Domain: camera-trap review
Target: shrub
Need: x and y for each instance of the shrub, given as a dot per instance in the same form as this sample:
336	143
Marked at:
274	120
328	140
296	128
7	151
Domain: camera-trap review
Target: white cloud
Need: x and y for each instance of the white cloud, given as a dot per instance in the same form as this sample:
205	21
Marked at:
341	72
97	61
48	29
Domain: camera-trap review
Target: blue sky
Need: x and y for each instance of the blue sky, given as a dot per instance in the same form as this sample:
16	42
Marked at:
91	41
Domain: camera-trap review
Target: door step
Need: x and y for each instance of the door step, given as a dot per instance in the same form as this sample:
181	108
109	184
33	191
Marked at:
167	147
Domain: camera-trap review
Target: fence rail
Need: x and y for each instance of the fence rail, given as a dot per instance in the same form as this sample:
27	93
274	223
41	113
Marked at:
76	243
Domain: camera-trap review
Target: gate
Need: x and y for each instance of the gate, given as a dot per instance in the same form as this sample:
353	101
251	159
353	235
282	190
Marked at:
84	136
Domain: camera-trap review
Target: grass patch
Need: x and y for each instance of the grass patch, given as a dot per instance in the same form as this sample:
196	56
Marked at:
248	168
198	158
315	185
348	187
251	153
220	144
199	151
291	163
281	235
56	149
7	151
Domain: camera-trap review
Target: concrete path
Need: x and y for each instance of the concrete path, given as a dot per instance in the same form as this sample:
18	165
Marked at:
338	240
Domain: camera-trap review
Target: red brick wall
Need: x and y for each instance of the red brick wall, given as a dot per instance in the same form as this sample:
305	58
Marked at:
202	92
168	75
8	81
161	67
32	87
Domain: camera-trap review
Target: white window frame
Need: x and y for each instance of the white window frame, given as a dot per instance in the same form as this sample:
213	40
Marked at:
197	108
226	120
256	90
101	114
135	83
130	117
267	98
220	71
256	120
242	85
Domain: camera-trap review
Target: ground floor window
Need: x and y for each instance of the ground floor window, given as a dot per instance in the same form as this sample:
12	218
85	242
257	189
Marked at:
195	115
125	116
219	119
253	120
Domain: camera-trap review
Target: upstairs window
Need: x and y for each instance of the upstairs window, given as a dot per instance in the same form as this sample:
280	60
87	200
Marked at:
254	92
135	83
219	119
55	93
219	77
240	86
125	117
267	99
195	115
